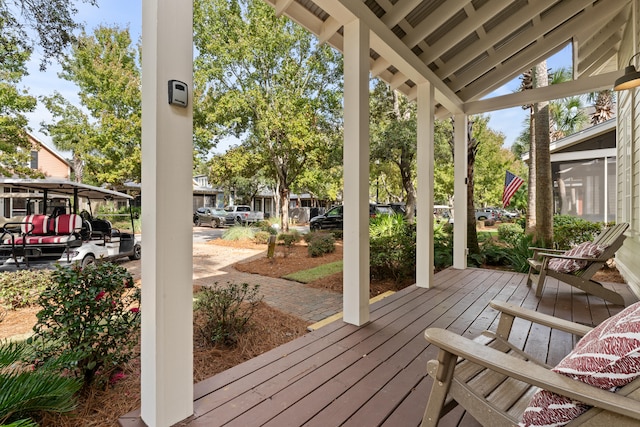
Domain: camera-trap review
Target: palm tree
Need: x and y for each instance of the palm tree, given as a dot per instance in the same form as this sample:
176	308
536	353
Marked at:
566	117
603	104
543	233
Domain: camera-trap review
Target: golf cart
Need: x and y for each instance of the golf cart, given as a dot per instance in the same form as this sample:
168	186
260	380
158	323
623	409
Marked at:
59	226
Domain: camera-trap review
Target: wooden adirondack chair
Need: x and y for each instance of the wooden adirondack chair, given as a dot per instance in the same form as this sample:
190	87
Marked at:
494	381
612	238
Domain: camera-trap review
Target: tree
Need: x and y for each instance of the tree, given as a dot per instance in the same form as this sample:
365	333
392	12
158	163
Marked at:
603	104
52	21
566	117
266	80
236	171
393	137
543	233
105	134
15	148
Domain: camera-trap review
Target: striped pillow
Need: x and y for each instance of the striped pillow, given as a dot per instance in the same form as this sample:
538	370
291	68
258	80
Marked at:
583	250
608	357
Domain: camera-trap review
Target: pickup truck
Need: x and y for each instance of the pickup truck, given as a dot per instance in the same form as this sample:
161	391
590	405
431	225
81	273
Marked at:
242	214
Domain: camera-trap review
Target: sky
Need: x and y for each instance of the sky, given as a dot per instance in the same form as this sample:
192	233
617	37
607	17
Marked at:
127	13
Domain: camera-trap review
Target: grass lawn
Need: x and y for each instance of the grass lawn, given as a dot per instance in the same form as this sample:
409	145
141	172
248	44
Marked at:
315	273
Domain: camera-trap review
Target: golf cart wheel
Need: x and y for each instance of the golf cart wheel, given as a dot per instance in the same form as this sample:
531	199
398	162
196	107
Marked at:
137	252
198	223
216	223
87	260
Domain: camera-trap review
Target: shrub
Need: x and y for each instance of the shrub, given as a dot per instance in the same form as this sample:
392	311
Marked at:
26	392
519	252
442	245
261	237
337	234
238	232
320	244
90	315
569	231
266	226
227	310
290	238
510	233
392	247
21	288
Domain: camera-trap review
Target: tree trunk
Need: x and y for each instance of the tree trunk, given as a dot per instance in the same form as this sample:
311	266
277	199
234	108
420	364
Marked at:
530	224
543	235
284	199
472	233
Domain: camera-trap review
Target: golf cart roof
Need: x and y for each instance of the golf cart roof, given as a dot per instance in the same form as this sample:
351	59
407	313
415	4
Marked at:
64	187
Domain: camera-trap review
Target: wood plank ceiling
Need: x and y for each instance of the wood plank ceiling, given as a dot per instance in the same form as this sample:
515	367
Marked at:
468	48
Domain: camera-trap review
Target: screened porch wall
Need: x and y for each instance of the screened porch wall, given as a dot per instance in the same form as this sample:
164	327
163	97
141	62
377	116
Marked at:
586	188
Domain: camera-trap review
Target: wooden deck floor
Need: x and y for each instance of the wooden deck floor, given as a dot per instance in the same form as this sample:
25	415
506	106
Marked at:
375	375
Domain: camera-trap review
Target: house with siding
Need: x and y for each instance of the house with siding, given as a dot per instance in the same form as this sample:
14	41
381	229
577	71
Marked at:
628	155
43	158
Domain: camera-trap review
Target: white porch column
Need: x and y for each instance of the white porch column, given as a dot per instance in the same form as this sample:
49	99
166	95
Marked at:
167	193
460	139
356	174
424	204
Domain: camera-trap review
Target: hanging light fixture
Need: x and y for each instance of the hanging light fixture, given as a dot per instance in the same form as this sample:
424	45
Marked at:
630	79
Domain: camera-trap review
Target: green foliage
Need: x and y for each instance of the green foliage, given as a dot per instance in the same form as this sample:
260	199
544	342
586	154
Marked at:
261	237
238	232
21	288
105	132
268	81
266	225
442	245
510	232
518	253
92	314
320	243
227	310
15	147
26	390
392	245
290	238
569	231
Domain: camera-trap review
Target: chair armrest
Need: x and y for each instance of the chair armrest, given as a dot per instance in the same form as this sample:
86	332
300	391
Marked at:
530	373
559	251
577	258
512	311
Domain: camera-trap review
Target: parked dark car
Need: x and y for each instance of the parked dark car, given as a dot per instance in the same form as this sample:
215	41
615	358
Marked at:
211	216
333	218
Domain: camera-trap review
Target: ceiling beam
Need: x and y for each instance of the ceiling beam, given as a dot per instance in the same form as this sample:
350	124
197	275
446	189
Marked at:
385	43
602	50
602	62
434	20
475	20
593	40
510	62
498	33
547	93
401	9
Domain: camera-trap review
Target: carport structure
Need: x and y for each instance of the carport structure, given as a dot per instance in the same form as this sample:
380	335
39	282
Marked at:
444	54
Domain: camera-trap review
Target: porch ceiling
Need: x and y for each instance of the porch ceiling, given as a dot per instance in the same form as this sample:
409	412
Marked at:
468	48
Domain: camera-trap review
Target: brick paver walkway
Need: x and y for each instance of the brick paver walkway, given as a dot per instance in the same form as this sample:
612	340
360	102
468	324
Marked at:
213	264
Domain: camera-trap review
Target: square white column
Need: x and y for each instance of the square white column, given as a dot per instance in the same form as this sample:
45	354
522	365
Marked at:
167	198
356	174
460	141
424	204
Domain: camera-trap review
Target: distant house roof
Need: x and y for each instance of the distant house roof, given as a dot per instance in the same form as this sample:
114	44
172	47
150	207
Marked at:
598	141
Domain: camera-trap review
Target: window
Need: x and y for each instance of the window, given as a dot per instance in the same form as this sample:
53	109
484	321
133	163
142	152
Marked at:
34	160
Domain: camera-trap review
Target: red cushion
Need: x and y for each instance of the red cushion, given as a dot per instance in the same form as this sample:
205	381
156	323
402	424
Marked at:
584	250
68	223
608	357
38	224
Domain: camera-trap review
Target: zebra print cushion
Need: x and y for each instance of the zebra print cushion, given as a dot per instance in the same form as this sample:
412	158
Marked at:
608	357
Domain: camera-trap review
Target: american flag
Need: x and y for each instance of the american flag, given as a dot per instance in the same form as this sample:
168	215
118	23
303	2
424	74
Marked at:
511	185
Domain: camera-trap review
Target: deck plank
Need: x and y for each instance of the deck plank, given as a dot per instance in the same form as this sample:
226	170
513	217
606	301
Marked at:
376	374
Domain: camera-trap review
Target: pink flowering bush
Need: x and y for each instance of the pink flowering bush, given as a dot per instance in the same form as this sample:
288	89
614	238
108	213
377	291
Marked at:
90	317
